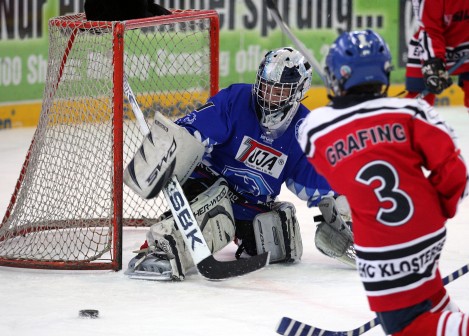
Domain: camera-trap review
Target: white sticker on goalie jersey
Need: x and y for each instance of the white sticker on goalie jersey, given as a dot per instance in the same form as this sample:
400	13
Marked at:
260	157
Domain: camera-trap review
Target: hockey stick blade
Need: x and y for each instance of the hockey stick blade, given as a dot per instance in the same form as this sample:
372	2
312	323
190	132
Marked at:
291	327
212	269
272	7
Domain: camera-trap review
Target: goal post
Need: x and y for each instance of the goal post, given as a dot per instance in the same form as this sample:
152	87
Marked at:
69	204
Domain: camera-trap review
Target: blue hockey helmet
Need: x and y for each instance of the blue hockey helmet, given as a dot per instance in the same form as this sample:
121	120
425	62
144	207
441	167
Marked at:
282	80
358	58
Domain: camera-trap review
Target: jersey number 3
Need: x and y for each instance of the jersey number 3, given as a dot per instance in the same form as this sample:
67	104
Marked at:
402	208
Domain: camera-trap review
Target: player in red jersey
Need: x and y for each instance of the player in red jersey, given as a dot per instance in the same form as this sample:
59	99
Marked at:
374	150
440	41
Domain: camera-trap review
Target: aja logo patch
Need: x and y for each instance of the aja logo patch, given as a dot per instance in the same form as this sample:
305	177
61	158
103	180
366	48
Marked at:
260	157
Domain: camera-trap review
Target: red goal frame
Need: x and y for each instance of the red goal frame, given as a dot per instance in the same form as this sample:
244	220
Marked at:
119	28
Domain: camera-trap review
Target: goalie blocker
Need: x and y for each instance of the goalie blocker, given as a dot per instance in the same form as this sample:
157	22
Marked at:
166	151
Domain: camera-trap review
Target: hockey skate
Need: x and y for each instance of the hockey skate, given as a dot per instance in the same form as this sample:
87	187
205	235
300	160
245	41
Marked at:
153	265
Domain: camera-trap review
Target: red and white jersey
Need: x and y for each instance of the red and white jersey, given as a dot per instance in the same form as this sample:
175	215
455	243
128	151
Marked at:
443	33
374	152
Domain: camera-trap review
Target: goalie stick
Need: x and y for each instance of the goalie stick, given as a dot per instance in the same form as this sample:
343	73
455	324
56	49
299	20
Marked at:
299	45
291	327
206	264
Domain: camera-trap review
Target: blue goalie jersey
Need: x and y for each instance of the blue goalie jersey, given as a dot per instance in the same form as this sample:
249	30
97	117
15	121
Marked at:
254	164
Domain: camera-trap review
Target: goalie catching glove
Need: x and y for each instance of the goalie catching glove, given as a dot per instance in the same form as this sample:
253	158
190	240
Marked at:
167	256
334	236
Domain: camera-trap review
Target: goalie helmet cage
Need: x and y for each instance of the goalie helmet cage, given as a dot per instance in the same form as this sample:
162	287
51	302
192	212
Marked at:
69	204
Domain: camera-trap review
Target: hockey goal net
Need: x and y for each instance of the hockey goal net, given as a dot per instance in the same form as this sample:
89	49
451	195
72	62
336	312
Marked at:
69	204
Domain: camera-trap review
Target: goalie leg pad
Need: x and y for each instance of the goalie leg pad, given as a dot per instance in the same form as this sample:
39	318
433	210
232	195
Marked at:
334	237
213	212
278	231
167	150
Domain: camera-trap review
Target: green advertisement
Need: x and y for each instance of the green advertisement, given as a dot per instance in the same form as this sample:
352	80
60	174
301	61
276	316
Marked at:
316	24
247	31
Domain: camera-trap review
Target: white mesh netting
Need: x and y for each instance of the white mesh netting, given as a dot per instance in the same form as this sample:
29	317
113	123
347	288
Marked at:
63	211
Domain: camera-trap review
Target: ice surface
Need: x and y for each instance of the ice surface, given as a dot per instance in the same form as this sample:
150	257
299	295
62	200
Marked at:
318	291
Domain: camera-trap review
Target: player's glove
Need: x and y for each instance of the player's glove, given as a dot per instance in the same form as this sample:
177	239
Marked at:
334	236
435	76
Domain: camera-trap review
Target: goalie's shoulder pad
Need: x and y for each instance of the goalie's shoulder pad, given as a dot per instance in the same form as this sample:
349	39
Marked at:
167	150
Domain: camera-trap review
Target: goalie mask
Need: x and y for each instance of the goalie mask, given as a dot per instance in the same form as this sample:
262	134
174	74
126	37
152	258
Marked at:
282	80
